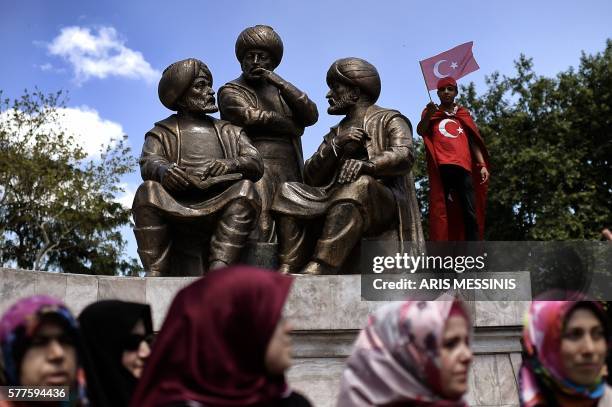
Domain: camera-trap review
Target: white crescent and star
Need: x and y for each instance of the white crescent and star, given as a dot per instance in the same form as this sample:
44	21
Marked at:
436	68
446	133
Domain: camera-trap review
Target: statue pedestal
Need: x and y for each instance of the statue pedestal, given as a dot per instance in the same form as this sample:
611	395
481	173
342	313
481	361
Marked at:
326	313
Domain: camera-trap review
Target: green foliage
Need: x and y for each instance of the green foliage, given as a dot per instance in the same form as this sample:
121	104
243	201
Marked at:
422	184
550	142
57	207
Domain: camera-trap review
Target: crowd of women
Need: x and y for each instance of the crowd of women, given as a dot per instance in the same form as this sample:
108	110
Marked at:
225	342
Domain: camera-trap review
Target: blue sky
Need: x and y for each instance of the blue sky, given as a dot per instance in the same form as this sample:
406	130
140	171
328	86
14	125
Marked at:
46	42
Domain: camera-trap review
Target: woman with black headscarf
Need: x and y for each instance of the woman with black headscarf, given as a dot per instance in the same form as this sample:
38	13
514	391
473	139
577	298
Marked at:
117	335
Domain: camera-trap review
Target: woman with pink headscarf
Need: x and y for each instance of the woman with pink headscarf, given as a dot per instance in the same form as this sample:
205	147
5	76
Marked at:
410	353
566	343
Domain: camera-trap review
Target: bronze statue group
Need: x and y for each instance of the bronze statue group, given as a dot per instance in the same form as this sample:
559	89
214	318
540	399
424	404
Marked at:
212	186
214	189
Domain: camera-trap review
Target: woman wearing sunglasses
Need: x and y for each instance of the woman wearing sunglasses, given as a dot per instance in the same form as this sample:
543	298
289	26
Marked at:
117	337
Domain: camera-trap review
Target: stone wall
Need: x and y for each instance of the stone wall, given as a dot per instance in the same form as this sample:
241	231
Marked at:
326	313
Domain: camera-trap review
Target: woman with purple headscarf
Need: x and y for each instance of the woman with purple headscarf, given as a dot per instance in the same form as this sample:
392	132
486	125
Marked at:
41	346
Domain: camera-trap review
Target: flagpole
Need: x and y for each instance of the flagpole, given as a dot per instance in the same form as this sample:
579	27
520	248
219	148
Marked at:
426	88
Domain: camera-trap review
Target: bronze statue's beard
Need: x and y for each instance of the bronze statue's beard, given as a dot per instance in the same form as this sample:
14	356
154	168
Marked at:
340	105
200	106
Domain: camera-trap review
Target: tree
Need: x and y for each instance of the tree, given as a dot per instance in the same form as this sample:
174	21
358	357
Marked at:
57	206
550	141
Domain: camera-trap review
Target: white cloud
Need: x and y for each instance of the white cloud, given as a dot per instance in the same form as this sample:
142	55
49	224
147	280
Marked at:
100	54
83	123
128	195
89	130
47	67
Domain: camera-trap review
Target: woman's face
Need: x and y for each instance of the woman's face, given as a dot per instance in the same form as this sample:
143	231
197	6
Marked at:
583	347
278	354
136	350
455	358
51	358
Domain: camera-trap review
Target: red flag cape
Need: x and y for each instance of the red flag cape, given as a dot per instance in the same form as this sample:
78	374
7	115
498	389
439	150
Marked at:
456	63
447	223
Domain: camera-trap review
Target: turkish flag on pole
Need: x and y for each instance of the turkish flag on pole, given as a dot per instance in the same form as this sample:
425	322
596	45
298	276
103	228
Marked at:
456	62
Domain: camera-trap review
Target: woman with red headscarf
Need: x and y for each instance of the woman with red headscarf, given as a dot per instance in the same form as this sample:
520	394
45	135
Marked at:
565	343
223	343
411	353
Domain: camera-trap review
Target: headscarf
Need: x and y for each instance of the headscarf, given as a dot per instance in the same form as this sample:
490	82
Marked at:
356	72
542	374
177	78
211	348
396	359
105	326
18	326
260	37
448	81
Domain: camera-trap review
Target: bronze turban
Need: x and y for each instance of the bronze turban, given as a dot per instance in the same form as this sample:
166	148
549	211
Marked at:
177	78
260	37
356	72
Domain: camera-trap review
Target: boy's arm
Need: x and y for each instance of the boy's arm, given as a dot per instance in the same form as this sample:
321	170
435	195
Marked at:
480	161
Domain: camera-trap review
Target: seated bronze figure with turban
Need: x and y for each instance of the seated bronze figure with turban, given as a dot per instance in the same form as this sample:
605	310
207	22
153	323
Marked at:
197	204
358	184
